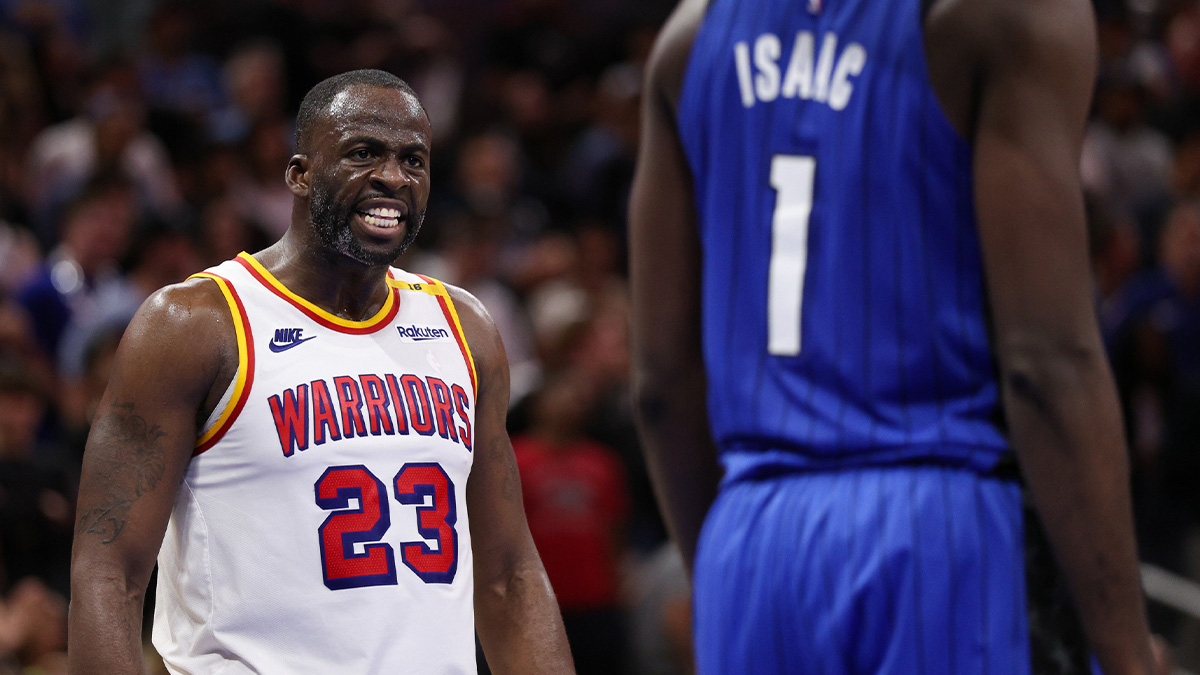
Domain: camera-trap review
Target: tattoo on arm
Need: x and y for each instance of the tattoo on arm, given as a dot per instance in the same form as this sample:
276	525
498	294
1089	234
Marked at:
131	463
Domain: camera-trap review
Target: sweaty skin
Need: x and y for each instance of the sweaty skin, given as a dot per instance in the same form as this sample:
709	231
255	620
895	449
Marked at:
180	354
1015	78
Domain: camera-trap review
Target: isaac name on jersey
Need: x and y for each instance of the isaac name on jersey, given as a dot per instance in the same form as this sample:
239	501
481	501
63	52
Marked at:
824	77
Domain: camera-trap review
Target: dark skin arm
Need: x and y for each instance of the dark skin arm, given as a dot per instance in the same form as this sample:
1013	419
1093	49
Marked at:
516	615
178	348
1030	65
668	368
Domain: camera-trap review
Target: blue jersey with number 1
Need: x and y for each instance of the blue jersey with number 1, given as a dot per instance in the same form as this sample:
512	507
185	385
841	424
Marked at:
843	297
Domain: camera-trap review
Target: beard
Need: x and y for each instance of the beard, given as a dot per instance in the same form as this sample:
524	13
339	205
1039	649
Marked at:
331	221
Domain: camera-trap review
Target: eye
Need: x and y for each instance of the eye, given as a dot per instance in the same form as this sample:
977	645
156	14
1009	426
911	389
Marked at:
360	153
416	162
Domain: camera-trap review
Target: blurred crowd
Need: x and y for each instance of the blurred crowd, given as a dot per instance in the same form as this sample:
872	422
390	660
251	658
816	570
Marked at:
144	140
1141	173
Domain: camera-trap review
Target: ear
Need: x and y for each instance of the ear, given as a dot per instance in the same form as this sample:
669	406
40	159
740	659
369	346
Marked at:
297	176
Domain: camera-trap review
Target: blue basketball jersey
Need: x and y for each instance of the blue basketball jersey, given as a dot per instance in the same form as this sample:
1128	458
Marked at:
844	313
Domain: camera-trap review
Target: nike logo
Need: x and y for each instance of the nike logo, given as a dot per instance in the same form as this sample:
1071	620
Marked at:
284	347
286	338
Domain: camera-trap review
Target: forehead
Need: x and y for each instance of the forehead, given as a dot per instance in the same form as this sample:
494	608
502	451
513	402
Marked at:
391	115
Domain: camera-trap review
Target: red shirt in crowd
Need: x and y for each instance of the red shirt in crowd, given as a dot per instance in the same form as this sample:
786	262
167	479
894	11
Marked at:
576	502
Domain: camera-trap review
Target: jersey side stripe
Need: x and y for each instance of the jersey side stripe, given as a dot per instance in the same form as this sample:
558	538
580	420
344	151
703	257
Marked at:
382	318
245	371
443	296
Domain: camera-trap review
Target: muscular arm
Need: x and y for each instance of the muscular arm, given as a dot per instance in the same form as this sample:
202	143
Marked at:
1034	67
136	454
516	615
668	369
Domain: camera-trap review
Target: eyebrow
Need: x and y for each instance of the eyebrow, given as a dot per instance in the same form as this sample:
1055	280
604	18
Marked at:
375	141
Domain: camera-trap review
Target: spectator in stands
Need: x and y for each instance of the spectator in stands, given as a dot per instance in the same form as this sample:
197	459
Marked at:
36	498
19	257
1156	354
256	80
225	232
599	167
576	502
1123	157
33	630
174	77
160	255
469	248
109	138
661	615
95	232
259	195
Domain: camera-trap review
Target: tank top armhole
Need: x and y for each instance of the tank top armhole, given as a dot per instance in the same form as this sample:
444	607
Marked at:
234	398
222	406
438	290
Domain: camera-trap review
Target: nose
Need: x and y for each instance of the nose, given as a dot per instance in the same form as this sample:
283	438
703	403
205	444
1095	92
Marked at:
389	174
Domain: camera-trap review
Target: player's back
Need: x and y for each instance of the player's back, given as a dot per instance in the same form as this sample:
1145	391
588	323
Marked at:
844	319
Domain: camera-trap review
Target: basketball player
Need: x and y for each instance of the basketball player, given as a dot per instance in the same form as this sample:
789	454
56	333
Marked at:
859	263
313	444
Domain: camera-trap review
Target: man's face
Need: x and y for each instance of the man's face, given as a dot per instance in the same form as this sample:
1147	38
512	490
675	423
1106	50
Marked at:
369	174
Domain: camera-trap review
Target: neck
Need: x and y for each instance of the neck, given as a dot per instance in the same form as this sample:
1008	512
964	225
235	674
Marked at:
337	284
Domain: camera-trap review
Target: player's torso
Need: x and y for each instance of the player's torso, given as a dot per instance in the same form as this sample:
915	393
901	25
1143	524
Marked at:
844	314
323	525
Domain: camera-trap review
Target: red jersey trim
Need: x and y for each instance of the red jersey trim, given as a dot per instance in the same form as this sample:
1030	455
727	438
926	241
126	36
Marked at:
245	372
451	315
382	318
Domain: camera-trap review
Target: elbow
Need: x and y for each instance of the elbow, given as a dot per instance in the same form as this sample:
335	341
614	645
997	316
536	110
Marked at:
86	572
1033	366
1062	413
515	583
103	588
1053	378
660	392
669	385
95	574
649	399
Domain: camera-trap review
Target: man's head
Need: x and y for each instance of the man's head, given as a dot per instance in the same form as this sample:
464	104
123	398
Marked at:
23	403
361	172
99	220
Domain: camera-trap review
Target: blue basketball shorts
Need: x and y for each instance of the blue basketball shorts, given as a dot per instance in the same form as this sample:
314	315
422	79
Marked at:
888	571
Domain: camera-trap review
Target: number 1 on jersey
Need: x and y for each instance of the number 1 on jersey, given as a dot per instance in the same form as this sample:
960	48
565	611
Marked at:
792	177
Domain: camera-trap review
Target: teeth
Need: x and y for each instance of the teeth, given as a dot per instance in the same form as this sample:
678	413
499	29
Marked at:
376	221
382	212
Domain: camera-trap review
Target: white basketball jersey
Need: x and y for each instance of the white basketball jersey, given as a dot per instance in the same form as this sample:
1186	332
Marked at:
322	525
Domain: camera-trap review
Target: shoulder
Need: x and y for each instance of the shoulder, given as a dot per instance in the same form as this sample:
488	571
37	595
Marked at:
996	33
478	327
1004	57
192	304
672	48
189	322
483	338
179	346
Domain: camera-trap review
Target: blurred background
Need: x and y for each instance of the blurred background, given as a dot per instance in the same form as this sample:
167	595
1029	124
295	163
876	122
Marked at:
144	140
